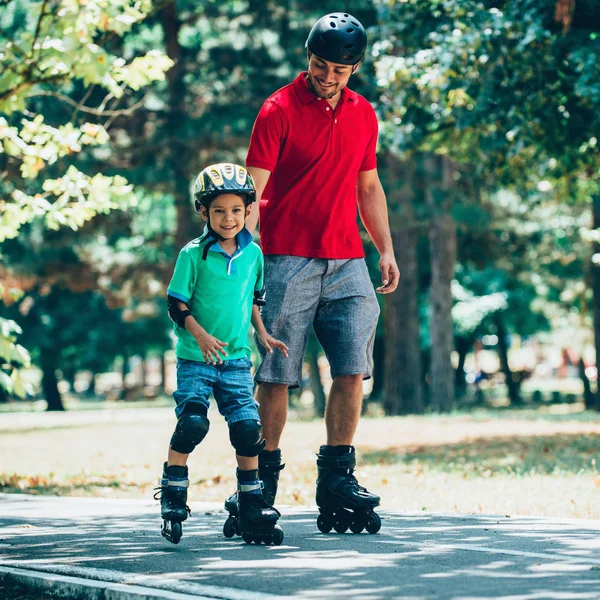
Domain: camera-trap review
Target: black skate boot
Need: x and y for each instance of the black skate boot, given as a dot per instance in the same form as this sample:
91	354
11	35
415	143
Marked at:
257	521
342	502
269	466
172	494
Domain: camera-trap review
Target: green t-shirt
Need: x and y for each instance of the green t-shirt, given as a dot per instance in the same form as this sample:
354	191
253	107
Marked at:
219	292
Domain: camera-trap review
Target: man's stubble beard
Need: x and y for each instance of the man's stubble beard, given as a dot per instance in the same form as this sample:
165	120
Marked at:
315	91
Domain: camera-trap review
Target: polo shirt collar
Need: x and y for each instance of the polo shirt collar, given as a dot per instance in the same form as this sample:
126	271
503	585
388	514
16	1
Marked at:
243	238
305	94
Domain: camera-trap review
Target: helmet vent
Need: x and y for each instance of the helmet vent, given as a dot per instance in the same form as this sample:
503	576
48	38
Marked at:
354	23
332	24
346	15
333	16
343	20
350	30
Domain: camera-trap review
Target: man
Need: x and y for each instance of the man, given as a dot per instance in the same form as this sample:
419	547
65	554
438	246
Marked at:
312	157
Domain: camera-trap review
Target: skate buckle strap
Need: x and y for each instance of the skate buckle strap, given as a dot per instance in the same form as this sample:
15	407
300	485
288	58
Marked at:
183	483
249	487
343	461
270	467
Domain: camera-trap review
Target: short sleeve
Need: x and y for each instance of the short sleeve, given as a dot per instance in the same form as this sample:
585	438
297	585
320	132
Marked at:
260	277
370	157
184	278
266	138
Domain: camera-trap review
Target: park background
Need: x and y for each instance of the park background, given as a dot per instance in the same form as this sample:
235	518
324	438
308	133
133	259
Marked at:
484	395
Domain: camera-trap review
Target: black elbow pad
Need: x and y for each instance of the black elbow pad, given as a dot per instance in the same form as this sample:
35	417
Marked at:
259	297
175	313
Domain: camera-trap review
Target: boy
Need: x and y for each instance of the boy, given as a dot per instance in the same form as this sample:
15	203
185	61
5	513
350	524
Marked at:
213	295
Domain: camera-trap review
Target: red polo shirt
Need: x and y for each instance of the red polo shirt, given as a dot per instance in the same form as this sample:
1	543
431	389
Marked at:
314	154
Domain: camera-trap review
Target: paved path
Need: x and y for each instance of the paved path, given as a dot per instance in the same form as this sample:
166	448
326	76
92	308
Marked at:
116	546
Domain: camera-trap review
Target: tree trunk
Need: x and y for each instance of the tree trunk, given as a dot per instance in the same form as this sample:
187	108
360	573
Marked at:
589	398
403	382
124	372
513	386
163	373
316	385
378	368
178	165
442	243
595	275
462	347
49	380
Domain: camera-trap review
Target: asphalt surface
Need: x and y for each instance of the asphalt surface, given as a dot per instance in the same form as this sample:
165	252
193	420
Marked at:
101	549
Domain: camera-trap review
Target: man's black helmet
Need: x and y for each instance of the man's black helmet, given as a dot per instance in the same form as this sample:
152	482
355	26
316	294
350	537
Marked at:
223	178
338	38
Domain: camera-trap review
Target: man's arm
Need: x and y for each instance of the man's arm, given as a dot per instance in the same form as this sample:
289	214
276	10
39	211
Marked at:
261	177
373	212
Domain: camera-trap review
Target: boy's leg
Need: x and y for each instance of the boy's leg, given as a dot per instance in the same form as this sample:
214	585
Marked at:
193	389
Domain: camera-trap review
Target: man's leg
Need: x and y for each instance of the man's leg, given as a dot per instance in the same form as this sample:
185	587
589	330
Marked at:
272	408
343	409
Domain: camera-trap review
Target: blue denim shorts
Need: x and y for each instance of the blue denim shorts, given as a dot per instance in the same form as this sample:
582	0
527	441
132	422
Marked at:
336	298
231	383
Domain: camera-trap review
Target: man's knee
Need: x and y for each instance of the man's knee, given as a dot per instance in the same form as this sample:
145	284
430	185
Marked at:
246	437
190	430
267	392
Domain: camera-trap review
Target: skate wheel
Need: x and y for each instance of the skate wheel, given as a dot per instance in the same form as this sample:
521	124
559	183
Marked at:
176	531
247	537
277	535
373	524
230	527
357	524
324	524
340	525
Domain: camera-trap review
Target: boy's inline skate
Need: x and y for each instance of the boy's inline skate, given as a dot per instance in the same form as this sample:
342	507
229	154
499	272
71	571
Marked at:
343	504
256	520
172	494
269	466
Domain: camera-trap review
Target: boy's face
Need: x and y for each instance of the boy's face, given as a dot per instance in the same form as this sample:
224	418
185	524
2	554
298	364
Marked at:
227	215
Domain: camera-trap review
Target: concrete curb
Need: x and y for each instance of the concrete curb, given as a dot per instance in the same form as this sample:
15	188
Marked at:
85	589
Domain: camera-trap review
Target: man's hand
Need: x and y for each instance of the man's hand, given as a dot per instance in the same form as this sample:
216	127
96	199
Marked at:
211	347
269	342
390	274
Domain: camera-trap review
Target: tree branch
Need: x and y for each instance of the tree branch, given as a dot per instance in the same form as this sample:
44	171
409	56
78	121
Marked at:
98	112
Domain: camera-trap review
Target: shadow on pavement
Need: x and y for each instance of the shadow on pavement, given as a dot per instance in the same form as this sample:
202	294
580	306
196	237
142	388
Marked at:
413	556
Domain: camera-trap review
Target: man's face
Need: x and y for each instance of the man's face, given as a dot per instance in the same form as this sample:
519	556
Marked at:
327	79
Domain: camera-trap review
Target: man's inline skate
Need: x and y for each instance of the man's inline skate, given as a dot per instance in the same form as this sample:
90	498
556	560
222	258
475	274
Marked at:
343	504
172	494
256	520
269	466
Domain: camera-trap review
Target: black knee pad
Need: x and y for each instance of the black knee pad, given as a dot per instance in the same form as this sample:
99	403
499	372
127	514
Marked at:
246	437
191	429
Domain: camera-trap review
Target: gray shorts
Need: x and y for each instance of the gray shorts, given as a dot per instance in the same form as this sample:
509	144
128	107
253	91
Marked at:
336	298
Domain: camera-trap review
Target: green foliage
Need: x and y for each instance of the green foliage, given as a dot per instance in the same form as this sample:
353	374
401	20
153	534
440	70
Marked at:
497	85
47	49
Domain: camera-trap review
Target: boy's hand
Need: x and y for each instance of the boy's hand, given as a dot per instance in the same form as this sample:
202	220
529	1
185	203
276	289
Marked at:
269	342
210	347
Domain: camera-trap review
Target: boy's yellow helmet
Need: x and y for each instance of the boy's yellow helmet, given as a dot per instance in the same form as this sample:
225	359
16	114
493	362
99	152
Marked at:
223	178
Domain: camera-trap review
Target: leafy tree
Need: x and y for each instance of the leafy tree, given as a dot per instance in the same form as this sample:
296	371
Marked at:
504	89
50	48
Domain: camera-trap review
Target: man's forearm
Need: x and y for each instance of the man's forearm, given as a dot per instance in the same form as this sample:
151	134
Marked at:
373	212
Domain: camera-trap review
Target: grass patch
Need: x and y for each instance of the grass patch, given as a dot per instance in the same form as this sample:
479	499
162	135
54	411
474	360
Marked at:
496	462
